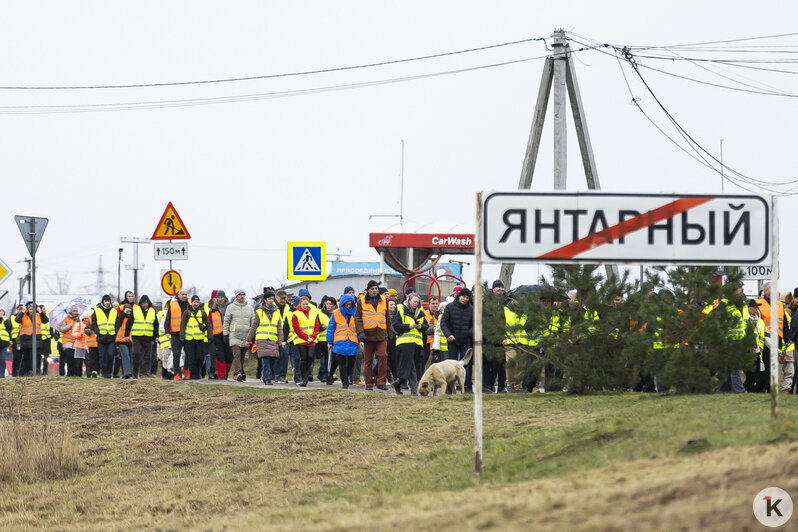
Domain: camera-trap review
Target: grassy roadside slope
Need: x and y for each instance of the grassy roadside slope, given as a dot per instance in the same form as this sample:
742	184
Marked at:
180	455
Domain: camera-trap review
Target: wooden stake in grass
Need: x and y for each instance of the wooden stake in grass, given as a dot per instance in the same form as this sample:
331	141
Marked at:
477	377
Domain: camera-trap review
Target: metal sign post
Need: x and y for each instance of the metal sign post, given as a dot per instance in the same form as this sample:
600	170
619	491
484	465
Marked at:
477	384
32	230
774	302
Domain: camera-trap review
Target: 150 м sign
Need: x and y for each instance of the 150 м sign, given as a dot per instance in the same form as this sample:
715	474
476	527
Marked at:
604	227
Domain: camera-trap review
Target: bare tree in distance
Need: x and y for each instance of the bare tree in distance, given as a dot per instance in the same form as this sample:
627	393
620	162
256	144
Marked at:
60	285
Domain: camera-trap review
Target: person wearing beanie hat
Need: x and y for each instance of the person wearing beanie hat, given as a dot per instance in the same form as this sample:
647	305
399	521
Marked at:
372	319
303	292
295	300
383	291
306	326
349	290
392	292
238	318
195	332
457	325
409	290
144	334
498	287
285	348
267	334
219	356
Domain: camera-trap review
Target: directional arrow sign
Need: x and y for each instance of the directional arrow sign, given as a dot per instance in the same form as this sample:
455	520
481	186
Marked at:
170	251
5	271
32	230
171	282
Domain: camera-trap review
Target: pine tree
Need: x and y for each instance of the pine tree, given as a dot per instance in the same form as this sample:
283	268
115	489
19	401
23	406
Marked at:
615	334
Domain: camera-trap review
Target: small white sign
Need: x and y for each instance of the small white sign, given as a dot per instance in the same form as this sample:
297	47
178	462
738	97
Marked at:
167	251
757	273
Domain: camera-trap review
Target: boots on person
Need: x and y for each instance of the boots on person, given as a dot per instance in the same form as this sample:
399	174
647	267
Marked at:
397	386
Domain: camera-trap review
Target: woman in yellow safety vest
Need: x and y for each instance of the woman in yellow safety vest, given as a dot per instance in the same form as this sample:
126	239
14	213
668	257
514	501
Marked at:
409	326
305	323
195	329
267	334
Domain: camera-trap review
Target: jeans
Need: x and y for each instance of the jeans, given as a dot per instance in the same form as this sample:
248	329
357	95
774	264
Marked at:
281	369
296	366
107	353
267	365
124	352
321	348
457	352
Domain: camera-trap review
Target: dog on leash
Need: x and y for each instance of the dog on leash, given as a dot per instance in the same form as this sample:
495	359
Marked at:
444	375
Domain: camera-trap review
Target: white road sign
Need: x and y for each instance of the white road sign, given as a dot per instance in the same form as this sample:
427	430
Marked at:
757	273
170	251
599	227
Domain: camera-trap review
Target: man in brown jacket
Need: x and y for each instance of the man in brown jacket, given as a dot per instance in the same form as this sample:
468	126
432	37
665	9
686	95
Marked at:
372	321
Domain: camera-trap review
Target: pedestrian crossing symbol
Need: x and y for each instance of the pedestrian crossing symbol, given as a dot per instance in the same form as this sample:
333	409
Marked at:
307	261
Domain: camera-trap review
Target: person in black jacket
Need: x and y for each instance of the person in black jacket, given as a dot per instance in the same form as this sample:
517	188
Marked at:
457	325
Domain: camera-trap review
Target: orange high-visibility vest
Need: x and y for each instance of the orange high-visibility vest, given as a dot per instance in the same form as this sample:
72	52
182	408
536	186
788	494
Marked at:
120	334
764	311
175	316
216	320
26	327
343	330
91	339
374	319
67	336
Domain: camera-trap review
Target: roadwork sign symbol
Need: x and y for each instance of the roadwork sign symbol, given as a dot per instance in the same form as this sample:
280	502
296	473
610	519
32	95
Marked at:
307	261
171	227
171	282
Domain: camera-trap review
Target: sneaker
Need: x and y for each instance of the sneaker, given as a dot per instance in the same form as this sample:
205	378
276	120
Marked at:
345	386
267	382
369	388
382	387
485	389
240	378
304	384
358	383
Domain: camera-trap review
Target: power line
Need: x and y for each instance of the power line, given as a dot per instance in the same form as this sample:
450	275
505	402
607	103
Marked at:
160	104
273	76
701	154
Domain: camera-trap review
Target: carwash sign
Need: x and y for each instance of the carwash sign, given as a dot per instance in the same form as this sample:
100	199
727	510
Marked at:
607	228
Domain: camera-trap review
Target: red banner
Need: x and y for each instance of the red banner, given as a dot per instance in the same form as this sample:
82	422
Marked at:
422	240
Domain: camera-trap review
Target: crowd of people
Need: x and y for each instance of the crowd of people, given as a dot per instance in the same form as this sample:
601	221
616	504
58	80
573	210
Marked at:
374	338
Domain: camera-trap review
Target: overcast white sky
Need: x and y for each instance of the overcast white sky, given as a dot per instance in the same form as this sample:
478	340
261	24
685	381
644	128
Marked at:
247	177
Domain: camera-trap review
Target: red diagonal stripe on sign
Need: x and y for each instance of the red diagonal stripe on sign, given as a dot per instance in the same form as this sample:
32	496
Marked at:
624	228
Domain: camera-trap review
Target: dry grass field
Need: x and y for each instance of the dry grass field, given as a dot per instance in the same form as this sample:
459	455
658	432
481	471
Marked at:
175	456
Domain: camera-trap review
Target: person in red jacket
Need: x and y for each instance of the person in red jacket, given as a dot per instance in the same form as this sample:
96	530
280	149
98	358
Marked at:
306	325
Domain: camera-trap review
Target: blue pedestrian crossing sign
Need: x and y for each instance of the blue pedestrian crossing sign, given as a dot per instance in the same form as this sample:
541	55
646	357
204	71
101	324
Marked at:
307	261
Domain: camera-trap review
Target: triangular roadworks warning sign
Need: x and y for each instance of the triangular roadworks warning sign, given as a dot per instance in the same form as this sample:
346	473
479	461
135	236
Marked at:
307	263
171	227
